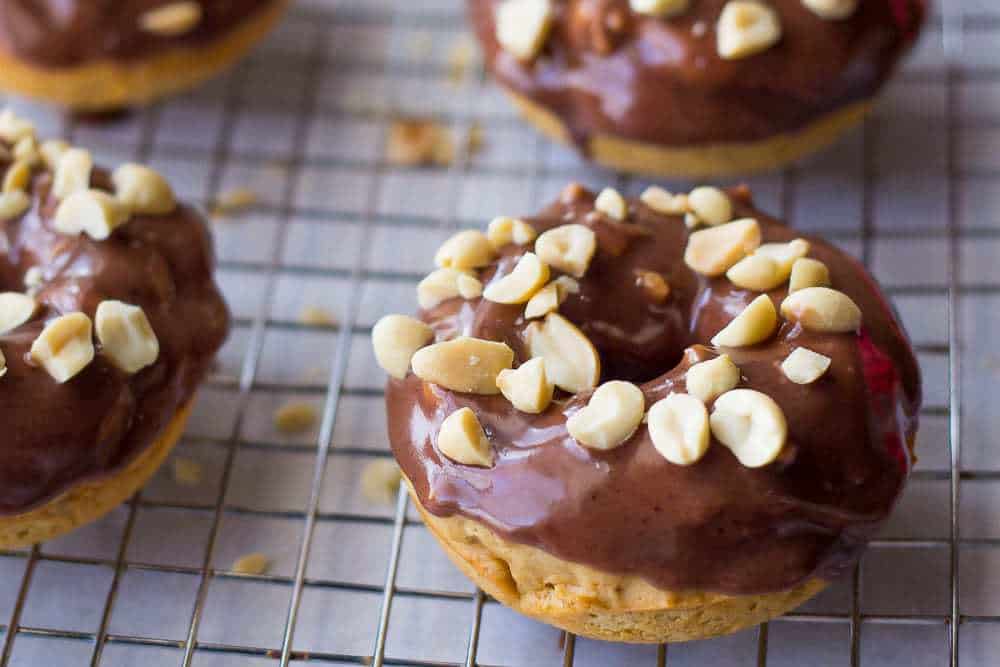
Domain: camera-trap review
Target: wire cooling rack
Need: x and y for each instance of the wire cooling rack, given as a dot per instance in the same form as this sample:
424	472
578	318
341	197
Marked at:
915	194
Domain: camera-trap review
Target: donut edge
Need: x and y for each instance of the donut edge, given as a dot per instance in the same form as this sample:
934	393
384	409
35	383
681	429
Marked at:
110	85
92	499
594	604
698	161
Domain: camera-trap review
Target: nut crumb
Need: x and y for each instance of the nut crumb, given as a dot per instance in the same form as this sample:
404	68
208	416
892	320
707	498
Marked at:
295	417
415	142
460	57
255	563
380	481
233	202
186	471
317	316
475	140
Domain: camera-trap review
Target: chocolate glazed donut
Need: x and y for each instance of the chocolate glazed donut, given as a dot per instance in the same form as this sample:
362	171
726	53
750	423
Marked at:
101	54
613	79
75	417
715	526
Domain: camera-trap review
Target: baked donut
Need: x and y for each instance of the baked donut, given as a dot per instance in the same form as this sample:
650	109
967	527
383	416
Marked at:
694	89
109	320
645	430
104	56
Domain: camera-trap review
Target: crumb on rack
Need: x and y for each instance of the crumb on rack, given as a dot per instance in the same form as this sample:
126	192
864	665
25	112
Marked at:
186	471
295	417
317	316
380	481
416	142
459	60
233	202
475	140
254	563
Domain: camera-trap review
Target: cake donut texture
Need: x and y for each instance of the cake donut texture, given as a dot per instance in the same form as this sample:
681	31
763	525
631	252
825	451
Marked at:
98	56
109	320
650	420
694	88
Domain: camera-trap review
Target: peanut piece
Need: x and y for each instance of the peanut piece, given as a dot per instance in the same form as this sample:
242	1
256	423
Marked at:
26	149
527	277
93	212
755	272
611	416
18	176
395	339
252	564
380	481
784	254
468	365
64	348
751	425
522	26
463	440
469	249
822	309
72	174
295	417
14	128
3	364
15	310
660	8
571	360
503	231
745	28
664	202
568	248
142	190
653	284
186	471
612	204
175	19
444	284
808	272
13	204
711	252
527	387
127	338
755	324
832	10
803	366
550	297
707	380
52	150
711	205
678	427
416	142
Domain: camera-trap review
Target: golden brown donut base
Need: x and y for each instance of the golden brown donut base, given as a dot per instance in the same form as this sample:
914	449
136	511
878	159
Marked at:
93	499
597	604
711	160
110	85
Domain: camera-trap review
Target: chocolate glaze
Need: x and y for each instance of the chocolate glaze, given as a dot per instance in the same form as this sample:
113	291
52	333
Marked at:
608	70
715	525
65	33
56	435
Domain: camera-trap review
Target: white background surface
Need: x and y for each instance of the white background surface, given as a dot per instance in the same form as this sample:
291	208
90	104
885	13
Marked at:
302	124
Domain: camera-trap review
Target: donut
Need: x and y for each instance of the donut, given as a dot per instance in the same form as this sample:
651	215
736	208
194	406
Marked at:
694	89
654	419
100	56
109	320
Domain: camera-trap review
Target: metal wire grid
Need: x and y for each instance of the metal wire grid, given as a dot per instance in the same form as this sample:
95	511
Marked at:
313	26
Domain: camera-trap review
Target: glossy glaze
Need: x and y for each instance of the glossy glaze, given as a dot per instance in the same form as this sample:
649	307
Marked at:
65	33
55	435
715	525
608	70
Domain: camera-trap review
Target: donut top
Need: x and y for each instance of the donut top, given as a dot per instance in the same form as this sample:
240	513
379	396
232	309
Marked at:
109	316
66	33
810	437
680	73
